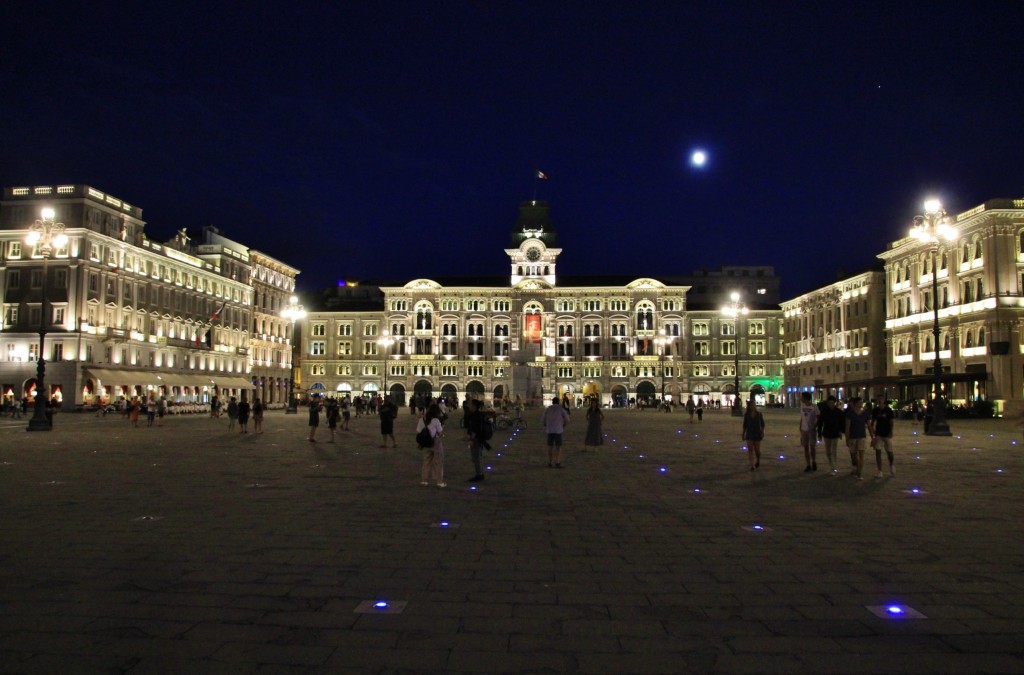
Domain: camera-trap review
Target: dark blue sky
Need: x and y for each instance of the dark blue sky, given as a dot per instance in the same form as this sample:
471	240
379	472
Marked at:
396	139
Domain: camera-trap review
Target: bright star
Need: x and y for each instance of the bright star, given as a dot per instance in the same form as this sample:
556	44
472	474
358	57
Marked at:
698	158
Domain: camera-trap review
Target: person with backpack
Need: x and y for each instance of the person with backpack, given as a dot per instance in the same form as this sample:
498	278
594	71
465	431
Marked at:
428	436
475	423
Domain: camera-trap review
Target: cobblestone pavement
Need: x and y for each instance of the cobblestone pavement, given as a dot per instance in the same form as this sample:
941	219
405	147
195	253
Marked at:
191	549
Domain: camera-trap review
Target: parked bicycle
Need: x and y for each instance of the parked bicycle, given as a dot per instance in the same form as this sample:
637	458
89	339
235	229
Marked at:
504	420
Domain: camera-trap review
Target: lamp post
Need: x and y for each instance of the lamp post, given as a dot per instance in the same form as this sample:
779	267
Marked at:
736	309
293	312
385	341
931	229
662	341
43	235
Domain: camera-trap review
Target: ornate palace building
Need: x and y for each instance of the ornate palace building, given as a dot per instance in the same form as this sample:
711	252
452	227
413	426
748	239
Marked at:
979	277
122	315
535	333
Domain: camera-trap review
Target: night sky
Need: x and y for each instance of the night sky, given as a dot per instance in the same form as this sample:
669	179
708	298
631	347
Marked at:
396	140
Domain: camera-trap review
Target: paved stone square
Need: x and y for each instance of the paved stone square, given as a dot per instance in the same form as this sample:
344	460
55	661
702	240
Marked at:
191	549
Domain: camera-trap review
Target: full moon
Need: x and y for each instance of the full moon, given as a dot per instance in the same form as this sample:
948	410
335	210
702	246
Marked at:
698	158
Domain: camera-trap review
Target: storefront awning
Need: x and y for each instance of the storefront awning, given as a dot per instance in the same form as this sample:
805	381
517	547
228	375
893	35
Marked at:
227	382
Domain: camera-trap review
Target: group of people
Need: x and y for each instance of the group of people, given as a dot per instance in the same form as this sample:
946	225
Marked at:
477	425
827	423
240	411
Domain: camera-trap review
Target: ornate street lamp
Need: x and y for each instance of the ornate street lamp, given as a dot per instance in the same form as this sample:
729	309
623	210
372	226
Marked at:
736	309
293	312
43	236
932	229
385	341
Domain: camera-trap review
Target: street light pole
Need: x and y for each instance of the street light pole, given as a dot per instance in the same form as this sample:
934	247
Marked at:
932	228
736	309
293	312
43	235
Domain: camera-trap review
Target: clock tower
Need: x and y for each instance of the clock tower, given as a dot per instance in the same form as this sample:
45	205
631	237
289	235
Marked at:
533	237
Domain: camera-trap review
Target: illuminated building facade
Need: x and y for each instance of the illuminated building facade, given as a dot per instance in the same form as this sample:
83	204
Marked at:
835	339
980	284
616	339
270	350
124	315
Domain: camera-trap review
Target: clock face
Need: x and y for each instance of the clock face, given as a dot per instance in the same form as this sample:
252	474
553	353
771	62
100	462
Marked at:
533	254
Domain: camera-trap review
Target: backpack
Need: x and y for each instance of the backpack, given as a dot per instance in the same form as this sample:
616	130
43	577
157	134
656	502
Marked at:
424	439
486	429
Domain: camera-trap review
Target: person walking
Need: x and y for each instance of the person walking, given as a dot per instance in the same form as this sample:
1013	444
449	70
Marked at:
554	419
831	425
473	420
243	416
333	414
257	416
150	411
346	412
857	430
432	468
882	424
314	417
808	426
691	407
232	413
388	412
753	434
161	410
594	436
133	412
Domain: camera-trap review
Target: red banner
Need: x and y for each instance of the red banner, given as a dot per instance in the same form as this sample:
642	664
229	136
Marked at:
533	328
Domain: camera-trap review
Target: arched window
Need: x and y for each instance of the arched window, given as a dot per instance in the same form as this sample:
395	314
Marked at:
977	250
981	337
979	292
945	341
970	339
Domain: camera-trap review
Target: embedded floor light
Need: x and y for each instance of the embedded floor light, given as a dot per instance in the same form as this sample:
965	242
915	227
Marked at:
380	607
895	611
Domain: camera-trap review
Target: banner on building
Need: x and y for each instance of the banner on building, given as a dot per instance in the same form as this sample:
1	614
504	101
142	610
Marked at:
533	328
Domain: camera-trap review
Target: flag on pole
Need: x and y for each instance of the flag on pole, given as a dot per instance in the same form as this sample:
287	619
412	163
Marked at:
541	175
217	312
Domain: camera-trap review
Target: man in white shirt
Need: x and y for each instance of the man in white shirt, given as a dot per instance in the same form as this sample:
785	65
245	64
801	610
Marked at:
555	418
808	424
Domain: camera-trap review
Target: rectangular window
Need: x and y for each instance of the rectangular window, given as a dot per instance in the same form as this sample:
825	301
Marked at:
344	348
58	315
15	250
58	351
318	348
369	349
36	279
592	349
14	279
702	348
757	347
619	350
370	330
729	347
